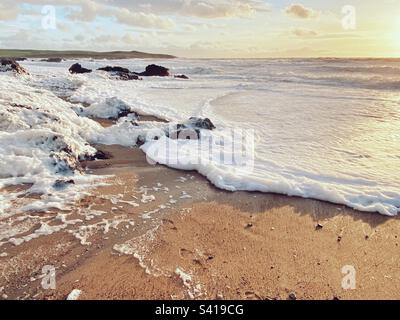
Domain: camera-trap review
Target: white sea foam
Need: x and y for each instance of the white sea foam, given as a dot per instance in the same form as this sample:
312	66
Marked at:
311	139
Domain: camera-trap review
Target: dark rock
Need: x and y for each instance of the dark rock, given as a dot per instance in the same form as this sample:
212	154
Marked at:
61	184
292	296
125	113
77	68
202	123
114	69
319	226
121	73
140	141
55	60
99	155
155	71
127	76
11	65
191	129
181	76
184	134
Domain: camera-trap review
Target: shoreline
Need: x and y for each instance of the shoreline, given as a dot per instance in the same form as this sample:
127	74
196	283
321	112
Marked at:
206	244
152	232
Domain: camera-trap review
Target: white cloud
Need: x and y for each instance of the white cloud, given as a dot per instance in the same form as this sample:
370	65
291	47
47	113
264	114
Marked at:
300	11
144	20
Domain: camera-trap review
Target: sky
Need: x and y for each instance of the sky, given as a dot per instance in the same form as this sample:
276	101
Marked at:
206	28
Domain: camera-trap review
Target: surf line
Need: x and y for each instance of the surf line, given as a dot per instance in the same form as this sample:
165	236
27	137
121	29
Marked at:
179	311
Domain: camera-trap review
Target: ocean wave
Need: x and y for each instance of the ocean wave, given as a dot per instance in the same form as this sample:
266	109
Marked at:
300	132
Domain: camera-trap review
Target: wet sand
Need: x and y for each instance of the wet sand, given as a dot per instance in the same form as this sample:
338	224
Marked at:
181	238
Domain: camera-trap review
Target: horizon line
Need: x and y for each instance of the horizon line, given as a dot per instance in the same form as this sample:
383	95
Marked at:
206	58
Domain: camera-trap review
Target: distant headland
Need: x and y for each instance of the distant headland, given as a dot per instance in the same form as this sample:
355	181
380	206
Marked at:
77	54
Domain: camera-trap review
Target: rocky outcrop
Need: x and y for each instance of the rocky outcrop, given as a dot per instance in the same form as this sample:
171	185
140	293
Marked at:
127	76
190	130
155	71
181	76
78	69
11	65
201	123
121	73
114	69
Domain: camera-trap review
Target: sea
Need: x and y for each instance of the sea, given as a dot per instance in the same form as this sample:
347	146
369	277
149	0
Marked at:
325	129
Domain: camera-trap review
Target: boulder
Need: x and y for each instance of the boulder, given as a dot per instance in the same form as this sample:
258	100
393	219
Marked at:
125	113
11	65
202	123
121	73
181	76
77	68
99	155
191	129
155	71
127	76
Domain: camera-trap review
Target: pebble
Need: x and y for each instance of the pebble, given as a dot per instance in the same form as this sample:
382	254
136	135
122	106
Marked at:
292	296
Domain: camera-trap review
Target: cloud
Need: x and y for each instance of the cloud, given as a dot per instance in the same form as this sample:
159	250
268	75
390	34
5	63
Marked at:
206	9
300	11
144	20
8	10
221	9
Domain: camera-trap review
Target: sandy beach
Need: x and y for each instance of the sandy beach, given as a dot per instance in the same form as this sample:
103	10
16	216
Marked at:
193	241
85	214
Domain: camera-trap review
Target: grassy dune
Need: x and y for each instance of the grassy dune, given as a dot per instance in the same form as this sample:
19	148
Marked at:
9	53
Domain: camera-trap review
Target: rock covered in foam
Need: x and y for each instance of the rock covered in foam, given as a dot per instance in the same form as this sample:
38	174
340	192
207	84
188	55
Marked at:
110	108
11	65
190	130
201	123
